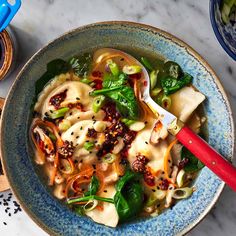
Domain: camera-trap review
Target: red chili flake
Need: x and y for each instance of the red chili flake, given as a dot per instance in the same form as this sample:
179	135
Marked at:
164	184
139	165
92	133
111	113
145	83
77	105
97	74
57	99
136	76
149	178
98	84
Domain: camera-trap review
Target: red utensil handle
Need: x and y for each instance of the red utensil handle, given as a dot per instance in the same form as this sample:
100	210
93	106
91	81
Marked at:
210	157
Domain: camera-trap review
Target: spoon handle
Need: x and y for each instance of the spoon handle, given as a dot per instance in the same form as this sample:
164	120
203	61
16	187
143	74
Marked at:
210	157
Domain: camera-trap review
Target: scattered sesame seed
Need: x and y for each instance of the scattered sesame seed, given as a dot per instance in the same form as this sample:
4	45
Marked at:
70	113
81	127
93	117
78	117
72	133
105	191
169	161
77	136
145	122
4	223
146	142
77	98
153	190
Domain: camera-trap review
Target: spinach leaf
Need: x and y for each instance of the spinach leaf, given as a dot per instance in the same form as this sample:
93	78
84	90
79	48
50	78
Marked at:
121	94
93	187
81	65
193	163
173	69
54	68
128	199
171	85
110	81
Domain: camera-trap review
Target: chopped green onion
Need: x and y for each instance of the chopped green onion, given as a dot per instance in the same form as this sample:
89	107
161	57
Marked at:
156	196
180	178
88	145
166	102
90	205
64	125
85	81
153	78
127	121
87	198
52	137
155	92
131	70
58	113
181	193
98	102
109	158
113	67
147	63
137	126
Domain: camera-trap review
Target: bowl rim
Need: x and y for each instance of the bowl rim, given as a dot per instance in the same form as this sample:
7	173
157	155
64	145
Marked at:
217	32
173	38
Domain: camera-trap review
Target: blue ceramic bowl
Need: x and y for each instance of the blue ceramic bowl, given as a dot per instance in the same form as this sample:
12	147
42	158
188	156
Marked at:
225	34
17	154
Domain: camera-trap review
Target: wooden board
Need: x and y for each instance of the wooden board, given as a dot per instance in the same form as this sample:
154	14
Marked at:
4	185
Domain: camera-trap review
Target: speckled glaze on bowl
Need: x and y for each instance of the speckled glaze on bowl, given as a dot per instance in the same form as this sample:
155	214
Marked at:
52	215
226	34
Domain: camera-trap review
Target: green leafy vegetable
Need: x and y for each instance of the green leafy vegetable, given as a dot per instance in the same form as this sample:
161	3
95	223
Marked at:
147	63
55	67
123	95
88	145
173	69
153	78
193	163
93	187
128	199
171	85
110	81
81	65
228	7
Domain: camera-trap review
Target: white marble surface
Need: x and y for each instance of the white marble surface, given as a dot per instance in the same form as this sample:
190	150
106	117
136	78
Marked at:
40	21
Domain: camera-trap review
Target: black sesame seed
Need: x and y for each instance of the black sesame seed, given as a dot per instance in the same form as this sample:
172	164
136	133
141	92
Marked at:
4	223
72	133
94	122
105	191
94	166
81	127
77	136
169	161
145	122
70	113
93	117
78	117
158	205
77	98
153	190
9	214
146	142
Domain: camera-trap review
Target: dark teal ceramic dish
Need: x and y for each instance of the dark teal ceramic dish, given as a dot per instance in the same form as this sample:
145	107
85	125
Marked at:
33	194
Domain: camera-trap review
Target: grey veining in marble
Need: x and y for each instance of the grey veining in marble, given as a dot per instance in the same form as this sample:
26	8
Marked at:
40	21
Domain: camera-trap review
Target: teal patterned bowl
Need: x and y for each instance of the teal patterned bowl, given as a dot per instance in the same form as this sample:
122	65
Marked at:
29	188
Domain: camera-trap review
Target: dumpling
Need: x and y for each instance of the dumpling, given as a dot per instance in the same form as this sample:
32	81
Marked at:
185	101
108	216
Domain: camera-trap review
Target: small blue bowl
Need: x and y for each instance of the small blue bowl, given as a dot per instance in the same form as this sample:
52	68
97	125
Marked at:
17	154
225	34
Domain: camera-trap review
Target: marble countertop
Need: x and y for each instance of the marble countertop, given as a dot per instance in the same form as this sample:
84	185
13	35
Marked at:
40	21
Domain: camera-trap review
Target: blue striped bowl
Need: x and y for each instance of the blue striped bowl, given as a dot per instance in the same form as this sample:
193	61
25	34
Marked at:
22	173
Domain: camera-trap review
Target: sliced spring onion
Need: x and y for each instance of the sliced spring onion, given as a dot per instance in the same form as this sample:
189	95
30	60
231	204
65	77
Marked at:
127	121
109	158
181	193
155	213
147	63
90	205
153	78
85	81
137	126
88	145
66	166
159	194
131	70
166	102
180	178
87	198
113	67
155	92
64	125
98	102
58	113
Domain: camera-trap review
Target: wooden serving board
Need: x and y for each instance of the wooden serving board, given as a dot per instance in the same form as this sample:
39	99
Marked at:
4	185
